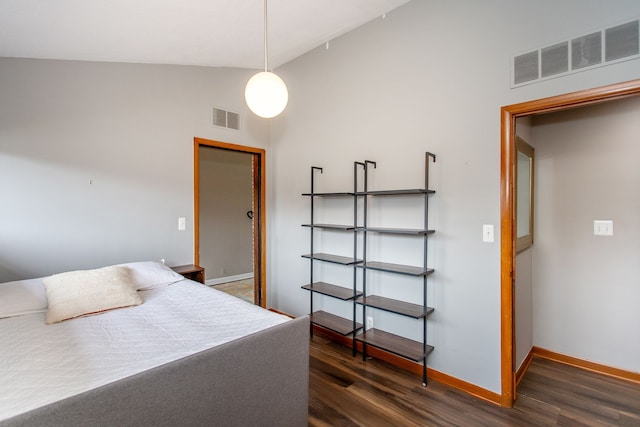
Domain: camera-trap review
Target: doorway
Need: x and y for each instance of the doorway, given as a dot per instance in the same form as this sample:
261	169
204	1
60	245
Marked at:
239	209
509	114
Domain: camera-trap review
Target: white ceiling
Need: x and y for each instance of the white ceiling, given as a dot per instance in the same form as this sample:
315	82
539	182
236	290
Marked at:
221	33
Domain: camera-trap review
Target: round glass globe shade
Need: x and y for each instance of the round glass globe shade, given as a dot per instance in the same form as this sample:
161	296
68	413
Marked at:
266	94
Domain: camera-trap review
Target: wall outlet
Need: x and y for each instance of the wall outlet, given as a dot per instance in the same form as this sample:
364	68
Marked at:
602	227
182	223
369	322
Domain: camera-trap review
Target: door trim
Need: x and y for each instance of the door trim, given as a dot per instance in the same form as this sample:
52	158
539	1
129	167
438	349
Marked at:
259	217
508	116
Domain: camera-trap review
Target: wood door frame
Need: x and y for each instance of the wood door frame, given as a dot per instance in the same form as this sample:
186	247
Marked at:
259	217
508	116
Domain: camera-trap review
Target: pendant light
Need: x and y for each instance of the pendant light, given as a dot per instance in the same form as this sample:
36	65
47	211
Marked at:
265	93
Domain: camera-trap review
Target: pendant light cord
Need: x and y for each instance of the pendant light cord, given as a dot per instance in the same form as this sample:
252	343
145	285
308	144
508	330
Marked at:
265	35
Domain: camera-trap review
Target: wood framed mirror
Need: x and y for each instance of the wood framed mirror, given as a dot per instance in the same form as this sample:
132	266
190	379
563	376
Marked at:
525	167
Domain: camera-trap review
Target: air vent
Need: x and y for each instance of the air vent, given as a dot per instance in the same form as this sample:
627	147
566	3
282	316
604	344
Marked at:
555	59
614	44
526	67
586	51
621	41
225	119
233	120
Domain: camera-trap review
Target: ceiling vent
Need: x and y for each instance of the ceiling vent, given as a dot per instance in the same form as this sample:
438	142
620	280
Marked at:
225	119
604	47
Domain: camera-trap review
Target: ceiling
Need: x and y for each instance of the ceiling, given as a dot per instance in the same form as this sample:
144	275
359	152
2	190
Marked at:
220	33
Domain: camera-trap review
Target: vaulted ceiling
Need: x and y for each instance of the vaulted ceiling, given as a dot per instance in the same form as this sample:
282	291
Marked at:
221	33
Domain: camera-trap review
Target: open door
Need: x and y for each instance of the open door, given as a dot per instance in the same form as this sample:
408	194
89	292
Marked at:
255	214
508	239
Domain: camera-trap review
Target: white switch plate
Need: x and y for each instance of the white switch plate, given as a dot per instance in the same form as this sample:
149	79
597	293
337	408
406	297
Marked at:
487	233
182	223
602	227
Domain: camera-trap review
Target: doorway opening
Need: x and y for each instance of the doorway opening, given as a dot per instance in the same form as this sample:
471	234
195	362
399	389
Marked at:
509	114
229	217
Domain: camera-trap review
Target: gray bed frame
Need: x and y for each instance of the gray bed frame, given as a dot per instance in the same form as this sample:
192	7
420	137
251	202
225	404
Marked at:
258	380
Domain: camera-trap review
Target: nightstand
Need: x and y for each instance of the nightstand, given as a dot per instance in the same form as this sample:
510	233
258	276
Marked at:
190	271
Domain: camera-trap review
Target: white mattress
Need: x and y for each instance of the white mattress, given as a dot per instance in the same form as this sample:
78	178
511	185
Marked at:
40	364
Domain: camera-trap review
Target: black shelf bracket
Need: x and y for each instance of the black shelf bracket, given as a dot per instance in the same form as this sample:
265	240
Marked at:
313	169
355	245
367	163
426	168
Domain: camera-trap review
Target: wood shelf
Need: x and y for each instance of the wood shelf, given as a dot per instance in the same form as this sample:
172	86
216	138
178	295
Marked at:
331	226
411	231
334	323
416	311
396	268
334	291
408	192
409	349
339	194
335	259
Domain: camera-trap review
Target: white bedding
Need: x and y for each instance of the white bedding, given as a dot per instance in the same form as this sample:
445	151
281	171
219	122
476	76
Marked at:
41	364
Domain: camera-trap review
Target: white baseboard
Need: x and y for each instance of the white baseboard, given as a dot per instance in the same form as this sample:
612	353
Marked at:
213	282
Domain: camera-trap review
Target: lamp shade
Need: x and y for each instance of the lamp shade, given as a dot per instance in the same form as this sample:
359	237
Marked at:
266	94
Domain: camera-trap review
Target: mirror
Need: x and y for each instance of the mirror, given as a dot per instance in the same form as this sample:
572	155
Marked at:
525	162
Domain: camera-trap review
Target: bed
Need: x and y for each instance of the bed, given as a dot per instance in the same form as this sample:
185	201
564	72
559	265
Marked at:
185	355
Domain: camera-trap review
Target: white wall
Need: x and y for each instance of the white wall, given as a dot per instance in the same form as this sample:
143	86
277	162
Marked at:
96	160
586	288
431	76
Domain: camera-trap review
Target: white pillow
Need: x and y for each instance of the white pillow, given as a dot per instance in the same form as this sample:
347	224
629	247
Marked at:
22	297
85	292
151	274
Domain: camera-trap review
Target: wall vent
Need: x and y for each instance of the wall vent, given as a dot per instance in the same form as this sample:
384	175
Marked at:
604	47
586	51
555	59
225	119
621	41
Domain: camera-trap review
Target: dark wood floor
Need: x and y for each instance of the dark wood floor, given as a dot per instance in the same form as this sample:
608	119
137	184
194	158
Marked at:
345	391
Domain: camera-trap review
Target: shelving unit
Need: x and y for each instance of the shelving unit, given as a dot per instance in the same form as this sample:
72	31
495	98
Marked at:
416	351
409	349
340	325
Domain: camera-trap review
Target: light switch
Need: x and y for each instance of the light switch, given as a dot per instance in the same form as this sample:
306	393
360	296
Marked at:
487	233
602	227
182	223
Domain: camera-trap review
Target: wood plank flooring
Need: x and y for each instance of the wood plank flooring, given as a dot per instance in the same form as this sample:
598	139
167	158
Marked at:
345	391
